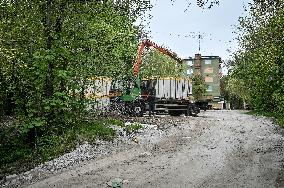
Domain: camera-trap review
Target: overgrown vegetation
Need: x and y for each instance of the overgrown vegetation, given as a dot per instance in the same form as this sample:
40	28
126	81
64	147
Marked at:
48	51
257	76
278	120
236	102
19	154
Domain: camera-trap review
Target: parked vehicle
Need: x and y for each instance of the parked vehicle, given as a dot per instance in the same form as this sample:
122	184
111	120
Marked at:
172	95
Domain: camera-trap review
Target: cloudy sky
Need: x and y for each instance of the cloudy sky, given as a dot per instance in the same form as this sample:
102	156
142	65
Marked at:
177	26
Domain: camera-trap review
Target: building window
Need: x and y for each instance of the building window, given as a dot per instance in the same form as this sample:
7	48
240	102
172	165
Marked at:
207	61
208	70
210	88
208	79
189	63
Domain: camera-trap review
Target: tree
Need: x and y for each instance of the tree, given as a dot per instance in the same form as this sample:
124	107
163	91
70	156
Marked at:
49	50
156	64
233	92
204	3
198	87
258	66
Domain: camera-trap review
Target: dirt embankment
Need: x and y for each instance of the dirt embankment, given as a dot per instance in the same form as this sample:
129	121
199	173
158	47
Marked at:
216	149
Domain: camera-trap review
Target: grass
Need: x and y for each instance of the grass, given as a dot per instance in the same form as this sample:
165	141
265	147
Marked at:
277	118
93	130
130	128
133	128
17	155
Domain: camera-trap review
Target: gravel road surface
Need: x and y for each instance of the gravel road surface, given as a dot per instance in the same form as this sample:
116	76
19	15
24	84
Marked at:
216	149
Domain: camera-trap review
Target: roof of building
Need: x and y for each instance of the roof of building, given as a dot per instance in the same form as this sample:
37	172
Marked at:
210	57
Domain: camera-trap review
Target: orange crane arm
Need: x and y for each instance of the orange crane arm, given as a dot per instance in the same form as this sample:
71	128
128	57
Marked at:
148	43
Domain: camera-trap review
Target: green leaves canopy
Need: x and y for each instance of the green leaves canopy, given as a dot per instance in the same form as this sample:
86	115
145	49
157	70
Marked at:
48	50
198	87
156	64
258	74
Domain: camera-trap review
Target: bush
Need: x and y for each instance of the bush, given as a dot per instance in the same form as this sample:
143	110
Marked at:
17	154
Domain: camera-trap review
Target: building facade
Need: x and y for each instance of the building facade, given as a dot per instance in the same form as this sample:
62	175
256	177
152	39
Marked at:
210	69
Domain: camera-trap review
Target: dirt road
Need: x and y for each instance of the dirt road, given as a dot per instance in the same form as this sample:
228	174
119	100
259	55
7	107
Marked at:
216	149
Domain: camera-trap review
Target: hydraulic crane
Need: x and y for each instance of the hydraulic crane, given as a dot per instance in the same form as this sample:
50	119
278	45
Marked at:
148	43
134	92
132	97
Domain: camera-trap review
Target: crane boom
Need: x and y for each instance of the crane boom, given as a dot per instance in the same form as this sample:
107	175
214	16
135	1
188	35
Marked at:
148	43
136	98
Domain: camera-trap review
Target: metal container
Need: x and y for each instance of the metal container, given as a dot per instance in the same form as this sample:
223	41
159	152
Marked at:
173	88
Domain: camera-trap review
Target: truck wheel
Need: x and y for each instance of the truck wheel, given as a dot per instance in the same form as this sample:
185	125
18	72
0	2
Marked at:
194	114
192	111
138	110
195	111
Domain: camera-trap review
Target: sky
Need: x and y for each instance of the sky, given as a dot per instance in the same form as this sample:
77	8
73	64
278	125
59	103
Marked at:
176	26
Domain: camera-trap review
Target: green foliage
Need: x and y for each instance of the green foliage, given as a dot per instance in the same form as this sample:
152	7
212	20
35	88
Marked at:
204	4
94	130
51	146
278	119
130	128
156	64
231	91
17	154
49	50
198	87
111	121
133	128
258	73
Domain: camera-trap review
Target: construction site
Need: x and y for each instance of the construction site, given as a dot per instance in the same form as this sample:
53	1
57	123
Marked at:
138	94
168	139
166	95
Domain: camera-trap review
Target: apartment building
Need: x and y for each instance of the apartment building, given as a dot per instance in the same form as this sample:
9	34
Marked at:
210	69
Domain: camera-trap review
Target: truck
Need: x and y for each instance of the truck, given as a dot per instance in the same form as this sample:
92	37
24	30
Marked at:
172	95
